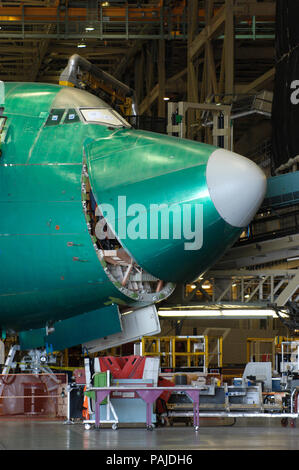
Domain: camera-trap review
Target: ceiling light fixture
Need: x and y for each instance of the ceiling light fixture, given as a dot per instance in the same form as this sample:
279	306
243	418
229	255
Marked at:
221	314
206	286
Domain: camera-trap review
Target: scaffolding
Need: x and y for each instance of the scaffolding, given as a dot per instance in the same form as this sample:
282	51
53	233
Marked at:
261	350
184	351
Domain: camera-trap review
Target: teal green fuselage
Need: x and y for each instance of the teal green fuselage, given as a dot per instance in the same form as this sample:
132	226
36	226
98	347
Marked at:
49	268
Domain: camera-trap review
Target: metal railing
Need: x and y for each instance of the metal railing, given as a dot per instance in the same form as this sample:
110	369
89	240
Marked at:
129	22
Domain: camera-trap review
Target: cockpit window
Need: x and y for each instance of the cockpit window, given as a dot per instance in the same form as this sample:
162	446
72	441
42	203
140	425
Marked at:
104	116
71	116
55	117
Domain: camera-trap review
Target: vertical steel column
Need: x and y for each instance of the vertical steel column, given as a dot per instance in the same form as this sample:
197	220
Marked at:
192	82
229	47
161	78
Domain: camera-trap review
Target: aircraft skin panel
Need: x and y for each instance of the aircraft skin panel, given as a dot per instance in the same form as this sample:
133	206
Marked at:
51	267
29	99
155	170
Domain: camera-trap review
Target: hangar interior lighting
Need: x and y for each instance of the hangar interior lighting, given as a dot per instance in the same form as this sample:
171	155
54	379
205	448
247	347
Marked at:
221	314
207	285
294	258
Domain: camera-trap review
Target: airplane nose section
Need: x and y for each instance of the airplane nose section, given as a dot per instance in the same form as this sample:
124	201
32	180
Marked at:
237	186
174	205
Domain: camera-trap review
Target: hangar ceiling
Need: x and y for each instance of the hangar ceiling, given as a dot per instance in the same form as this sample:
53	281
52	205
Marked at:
122	37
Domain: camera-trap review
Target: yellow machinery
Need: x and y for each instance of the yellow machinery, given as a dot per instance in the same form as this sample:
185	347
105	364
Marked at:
80	73
123	102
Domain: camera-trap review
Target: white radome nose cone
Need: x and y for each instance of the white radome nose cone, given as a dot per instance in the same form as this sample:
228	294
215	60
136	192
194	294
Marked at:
237	186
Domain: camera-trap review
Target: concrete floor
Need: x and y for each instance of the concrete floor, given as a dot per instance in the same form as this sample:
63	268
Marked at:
249	434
